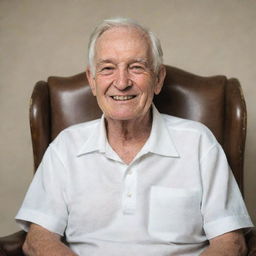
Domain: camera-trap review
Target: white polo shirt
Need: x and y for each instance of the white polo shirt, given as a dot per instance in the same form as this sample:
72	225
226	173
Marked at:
175	195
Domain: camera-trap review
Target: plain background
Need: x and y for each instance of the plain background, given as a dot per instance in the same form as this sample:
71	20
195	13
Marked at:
43	38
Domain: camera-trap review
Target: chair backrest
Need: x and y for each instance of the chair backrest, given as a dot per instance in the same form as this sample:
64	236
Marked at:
215	101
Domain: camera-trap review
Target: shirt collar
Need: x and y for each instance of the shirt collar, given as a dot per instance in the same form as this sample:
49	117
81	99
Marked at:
97	140
159	142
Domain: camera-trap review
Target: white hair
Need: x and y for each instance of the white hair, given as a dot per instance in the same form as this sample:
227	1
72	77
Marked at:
155	45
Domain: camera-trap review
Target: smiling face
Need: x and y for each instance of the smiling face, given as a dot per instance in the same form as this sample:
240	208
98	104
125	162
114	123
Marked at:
124	82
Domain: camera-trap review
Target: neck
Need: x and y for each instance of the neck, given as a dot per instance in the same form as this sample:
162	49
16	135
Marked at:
127	137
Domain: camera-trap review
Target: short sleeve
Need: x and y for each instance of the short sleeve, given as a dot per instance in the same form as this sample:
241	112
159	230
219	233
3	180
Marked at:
223	208
45	203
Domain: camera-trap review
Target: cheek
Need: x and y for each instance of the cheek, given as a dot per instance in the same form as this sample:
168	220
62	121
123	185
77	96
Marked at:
101	85
148	89
146	85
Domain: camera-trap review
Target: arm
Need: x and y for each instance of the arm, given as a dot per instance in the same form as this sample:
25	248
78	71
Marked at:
40	242
232	243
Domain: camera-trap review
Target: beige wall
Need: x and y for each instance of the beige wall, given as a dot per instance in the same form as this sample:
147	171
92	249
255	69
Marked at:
42	38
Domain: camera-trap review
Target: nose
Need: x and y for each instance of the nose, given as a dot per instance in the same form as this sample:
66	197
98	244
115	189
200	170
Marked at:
123	80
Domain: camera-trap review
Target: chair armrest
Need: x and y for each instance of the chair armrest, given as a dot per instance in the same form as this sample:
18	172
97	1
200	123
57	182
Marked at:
12	245
251	242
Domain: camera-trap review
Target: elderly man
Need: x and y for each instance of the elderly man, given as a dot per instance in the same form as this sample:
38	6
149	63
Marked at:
135	182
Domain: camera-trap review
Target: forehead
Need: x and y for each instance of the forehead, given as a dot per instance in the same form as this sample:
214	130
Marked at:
122	42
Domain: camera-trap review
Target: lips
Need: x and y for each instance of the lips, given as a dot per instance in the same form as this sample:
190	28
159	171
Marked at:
122	97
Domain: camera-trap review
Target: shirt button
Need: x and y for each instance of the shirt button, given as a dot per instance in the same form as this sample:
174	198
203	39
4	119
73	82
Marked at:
130	173
129	194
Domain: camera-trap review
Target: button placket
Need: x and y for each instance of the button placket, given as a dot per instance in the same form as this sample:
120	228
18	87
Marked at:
130	188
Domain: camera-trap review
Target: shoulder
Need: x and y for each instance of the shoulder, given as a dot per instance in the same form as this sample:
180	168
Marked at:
181	124
75	135
80	128
185	128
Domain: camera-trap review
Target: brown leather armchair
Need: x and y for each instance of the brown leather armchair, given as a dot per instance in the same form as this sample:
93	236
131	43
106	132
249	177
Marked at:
215	101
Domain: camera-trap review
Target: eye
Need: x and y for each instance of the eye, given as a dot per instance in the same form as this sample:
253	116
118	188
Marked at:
106	70
137	68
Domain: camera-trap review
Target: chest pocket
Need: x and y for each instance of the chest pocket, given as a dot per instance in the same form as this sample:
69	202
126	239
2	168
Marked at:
174	215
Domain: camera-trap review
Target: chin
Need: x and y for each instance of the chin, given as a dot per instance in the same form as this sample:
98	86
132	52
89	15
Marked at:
121	116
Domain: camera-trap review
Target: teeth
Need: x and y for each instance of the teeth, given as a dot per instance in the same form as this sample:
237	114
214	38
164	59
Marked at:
126	97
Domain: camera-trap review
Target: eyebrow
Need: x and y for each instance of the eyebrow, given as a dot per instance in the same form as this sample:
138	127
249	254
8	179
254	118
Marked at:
105	61
141	60
102	61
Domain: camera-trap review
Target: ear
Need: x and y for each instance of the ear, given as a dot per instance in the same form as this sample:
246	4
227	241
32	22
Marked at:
91	80
160	79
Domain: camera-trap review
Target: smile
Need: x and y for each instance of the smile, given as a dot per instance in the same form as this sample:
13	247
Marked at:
123	98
